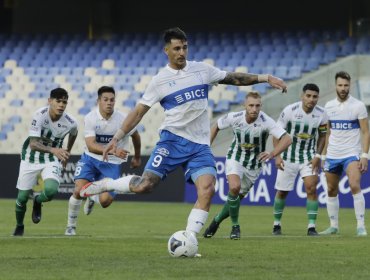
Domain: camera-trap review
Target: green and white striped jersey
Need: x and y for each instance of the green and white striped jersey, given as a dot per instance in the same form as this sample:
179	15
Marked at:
249	138
52	134
303	128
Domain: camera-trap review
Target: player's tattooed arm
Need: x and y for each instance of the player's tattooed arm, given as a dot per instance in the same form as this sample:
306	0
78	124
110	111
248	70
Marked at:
36	144
239	79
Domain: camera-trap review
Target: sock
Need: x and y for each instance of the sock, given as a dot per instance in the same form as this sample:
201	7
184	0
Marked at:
74	206
279	205
121	185
332	206
50	189
196	220
234	205
312	207
21	206
359	206
225	212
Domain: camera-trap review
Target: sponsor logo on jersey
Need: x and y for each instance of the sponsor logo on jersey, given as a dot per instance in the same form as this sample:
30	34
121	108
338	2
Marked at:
185	95
103	139
34	122
304	136
248	146
162	151
69	118
344	124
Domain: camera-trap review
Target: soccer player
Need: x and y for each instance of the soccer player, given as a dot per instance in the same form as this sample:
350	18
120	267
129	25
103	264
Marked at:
245	156
182	89
43	153
100	126
346	150
306	123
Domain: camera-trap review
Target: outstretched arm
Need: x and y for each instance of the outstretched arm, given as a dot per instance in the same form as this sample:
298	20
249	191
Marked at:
282	144
246	79
136	140
132	120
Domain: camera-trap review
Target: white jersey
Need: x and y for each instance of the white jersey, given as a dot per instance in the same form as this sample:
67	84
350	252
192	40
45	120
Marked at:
184	96
345	136
249	138
103	130
303	128
51	133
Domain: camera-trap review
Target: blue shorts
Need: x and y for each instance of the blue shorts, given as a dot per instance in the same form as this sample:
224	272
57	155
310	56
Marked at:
172	151
92	169
337	166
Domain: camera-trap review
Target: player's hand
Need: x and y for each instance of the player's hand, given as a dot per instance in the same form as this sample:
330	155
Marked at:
363	164
265	156
121	153
279	163
110	148
316	164
135	162
61	154
278	83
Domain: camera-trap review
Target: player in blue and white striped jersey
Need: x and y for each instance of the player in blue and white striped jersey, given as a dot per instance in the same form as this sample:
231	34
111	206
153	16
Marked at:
43	154
100	126
346	150
182	89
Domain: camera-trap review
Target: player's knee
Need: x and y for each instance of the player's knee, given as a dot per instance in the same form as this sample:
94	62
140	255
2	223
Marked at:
51	188
234	189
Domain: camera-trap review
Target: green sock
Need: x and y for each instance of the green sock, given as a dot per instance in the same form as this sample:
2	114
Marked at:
21	206
50	189
312	207
279	205
223	214
234	205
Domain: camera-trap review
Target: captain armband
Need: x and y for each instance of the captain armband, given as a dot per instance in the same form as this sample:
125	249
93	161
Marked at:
323	128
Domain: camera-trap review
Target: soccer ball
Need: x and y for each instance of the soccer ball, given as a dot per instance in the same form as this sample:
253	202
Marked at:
182	244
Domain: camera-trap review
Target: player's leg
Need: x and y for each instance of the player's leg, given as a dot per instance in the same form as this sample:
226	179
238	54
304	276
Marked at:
74	205
284	184
233	200
312	205
354	178
333	169
85	172
27	178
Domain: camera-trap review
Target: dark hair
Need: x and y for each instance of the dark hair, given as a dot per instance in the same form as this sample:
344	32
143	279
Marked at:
312	87
59	93
103	89
174	33
343	75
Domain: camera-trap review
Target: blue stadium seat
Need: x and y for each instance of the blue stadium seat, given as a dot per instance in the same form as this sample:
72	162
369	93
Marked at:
3	136
222	105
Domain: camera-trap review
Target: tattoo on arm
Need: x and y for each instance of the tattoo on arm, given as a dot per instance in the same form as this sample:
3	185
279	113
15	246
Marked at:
37	145
239	79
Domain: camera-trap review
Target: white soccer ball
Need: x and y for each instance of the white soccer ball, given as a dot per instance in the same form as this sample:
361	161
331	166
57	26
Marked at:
182	244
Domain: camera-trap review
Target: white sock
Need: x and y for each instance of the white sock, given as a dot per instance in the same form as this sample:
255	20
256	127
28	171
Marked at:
196	220
74	206
120	185
359	205
332	206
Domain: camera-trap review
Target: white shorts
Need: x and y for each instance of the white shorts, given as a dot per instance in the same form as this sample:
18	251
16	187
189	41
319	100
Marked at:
285	179
28	173
247	176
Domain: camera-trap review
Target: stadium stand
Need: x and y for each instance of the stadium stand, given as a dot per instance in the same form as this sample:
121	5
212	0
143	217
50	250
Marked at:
32	66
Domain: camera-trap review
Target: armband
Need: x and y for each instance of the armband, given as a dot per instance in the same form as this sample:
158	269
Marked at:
119	134
263	78
365	155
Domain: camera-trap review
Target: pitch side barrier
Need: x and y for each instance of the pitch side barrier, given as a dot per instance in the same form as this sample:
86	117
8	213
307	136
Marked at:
170	190
263	191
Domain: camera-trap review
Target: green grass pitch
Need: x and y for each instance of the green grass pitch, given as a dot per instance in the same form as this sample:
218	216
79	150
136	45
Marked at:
128	240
